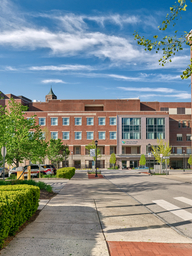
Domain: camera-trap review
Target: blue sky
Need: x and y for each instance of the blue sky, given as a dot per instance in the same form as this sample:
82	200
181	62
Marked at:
86	50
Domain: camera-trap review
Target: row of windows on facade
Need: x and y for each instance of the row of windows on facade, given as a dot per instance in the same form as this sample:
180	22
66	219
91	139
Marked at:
180	111
78	121
183	124
180	150
90	135
131	128
180	137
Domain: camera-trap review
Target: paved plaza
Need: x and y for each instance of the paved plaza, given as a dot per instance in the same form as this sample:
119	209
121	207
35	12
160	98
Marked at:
95	217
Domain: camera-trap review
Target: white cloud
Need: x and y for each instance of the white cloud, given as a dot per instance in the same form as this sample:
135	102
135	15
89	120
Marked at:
47	81
62	68
183	95
9	68
127	78
148	89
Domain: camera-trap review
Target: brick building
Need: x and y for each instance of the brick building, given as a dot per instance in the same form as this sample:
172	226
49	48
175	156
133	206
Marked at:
123	126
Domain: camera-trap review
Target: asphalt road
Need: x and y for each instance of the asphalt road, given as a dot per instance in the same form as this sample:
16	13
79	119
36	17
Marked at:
170	198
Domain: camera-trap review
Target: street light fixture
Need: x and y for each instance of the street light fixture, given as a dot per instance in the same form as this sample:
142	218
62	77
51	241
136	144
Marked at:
149	152
96	143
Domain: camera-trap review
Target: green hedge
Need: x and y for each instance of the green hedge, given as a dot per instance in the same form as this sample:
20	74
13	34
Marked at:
17	204
67	172
39	184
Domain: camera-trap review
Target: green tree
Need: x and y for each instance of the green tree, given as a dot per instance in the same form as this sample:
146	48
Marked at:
91	145
162	148
190	160
113	159
142	160
56	151
21	134
169	45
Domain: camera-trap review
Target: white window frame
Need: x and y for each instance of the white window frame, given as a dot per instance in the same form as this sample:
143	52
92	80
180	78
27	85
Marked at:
52	119
99	121
99	136
92	119
52	134
68	120
63	133
80	119
115	135
110	121
80	133
44	120
92	133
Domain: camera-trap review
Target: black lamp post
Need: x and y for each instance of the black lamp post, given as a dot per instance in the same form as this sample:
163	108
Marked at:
96	142
65	157
184	160
149	152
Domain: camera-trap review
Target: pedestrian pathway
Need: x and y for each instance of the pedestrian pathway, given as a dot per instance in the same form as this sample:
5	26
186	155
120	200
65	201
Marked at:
90	216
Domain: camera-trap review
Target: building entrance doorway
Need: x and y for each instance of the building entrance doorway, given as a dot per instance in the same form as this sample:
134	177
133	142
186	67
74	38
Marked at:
124	164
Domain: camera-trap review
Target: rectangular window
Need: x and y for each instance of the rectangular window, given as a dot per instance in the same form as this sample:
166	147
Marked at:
54	135
180	111
101	120
155	128
42	121
112	150
89	135
78	135
101	135
131	128
123	150
113	136
65	120
54	121
179	150
184	124
179	124
188	124
90	121
65	135
78	121
42	136
188	137
164	109
77	150
160	135
179	137
113	121
188	150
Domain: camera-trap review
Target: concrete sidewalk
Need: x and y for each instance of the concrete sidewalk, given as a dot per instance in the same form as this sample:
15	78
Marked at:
86	217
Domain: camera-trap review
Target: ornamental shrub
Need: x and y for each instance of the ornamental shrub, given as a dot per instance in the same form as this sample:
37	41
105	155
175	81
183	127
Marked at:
67	172
17	204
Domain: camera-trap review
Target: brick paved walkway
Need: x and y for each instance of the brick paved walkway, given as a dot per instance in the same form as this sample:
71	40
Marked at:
92	176
149	249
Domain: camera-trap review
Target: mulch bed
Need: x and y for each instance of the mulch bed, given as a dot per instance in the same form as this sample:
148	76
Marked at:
43	195
92	176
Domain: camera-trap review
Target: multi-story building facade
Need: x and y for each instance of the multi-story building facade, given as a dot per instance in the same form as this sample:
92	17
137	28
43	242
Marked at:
124	126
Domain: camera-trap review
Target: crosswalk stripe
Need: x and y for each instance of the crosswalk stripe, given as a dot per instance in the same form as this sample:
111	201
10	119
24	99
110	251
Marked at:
174	209
184	200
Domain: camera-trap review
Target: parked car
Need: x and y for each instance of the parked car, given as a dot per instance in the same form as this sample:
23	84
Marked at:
48	168
34	170
6	171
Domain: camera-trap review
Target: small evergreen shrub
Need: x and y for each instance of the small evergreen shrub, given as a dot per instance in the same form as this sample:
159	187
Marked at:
66	172
17	204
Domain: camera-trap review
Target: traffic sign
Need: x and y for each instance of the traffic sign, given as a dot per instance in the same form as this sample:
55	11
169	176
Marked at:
161	155
166	157
149	154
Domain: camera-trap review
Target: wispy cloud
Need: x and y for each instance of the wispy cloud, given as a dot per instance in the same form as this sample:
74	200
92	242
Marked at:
147	89
9	68
183	95
62	68
47	81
